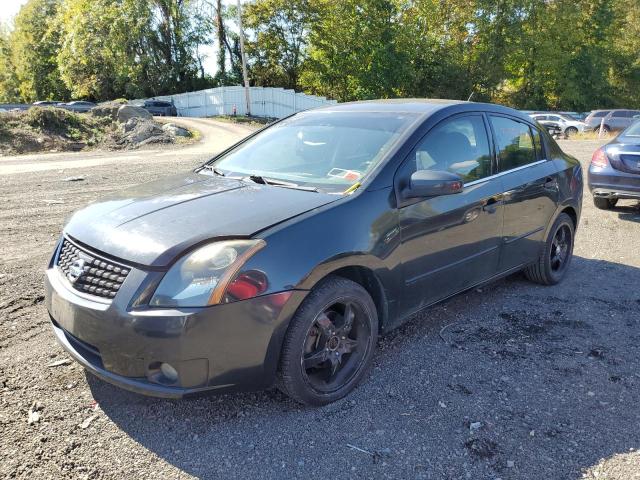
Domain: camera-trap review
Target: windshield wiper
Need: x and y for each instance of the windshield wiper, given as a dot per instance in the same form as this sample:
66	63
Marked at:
214	170
278	183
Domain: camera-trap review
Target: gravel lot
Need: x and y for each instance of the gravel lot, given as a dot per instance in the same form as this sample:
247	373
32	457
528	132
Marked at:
510	381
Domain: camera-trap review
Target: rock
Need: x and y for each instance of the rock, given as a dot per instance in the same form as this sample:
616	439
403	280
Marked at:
475	426
85	424
510	463
442	404
175	130
107	109
77	178
143	131
34	413
130	124
126	112
34	417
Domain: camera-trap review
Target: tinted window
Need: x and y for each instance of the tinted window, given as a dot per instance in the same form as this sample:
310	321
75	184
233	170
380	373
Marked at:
459	145
600	114
555	118
621	114
514	143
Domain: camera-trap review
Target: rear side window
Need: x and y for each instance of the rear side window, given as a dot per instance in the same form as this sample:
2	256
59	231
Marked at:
514	142
459	145
621	114
600	114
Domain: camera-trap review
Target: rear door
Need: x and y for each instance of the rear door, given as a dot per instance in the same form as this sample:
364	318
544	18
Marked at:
530	192
450	242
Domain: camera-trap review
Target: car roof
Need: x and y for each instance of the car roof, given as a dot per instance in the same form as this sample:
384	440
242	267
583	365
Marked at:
424	106
417	105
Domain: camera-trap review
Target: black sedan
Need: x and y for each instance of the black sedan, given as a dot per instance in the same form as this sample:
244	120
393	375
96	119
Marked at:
281	260
614	172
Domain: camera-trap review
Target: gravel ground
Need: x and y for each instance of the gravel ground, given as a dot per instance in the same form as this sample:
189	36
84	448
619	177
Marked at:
510	381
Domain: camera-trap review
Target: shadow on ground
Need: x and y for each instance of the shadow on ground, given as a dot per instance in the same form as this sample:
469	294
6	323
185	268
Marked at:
524	382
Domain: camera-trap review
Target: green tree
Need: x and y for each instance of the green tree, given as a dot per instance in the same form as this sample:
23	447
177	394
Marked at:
35	41
353	52
278	48
8	81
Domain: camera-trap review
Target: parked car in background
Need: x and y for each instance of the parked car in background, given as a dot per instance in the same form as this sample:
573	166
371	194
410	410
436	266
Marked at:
614	172
618	120
594	118
283	258
78	106
160	108
46	103
568	125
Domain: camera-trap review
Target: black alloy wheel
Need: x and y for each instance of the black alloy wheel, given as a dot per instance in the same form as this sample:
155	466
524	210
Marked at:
556	255
330	342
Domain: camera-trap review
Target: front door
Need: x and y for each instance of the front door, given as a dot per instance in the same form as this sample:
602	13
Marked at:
530	192
451	242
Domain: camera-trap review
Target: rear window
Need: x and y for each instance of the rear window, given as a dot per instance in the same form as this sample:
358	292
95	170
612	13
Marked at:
516	146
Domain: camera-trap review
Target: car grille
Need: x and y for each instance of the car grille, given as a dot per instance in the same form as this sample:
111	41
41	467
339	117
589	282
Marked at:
89	274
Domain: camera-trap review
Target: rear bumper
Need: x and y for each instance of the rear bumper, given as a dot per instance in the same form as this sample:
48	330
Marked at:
235	346
610	183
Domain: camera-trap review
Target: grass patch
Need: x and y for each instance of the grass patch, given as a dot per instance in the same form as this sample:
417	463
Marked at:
49	128
590	135
243	119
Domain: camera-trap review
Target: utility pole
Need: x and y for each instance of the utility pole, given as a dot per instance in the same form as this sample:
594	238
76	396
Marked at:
244	62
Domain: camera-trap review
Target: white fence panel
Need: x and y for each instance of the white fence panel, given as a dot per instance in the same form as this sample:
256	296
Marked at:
265	102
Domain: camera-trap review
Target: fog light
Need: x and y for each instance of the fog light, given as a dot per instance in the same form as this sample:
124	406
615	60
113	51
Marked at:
169	372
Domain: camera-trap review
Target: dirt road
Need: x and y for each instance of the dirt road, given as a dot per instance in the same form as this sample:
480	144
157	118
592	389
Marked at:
511	381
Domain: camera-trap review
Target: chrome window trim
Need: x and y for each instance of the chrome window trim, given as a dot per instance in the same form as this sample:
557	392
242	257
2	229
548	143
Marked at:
522	167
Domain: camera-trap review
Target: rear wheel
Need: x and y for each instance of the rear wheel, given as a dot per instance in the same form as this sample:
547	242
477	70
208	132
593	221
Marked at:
604	203
330	343
552	265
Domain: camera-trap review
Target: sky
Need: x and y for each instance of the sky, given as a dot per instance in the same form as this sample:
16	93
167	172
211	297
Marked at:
8	9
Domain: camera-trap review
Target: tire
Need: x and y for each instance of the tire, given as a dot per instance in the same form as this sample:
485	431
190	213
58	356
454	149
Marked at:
570	131
308	371
604	203
553	263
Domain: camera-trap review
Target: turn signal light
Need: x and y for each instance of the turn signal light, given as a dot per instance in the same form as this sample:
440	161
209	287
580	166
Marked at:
599	158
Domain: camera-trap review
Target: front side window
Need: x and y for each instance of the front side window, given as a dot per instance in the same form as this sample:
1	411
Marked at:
514	142
327	150
459	145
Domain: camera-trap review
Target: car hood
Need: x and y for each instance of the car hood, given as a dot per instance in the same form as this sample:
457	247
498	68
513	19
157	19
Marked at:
152	223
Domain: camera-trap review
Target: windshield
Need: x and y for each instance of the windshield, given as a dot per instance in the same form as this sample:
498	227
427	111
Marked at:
633	130
331	151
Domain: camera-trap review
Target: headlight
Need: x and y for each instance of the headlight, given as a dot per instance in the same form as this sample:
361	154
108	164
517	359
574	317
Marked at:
201	277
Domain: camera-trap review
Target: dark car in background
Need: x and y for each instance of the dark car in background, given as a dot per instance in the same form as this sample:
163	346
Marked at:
283	258
614	172
160	108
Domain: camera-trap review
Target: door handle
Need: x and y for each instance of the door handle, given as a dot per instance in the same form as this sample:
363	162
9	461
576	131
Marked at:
550	183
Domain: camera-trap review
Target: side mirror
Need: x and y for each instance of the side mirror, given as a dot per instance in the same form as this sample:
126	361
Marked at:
432	183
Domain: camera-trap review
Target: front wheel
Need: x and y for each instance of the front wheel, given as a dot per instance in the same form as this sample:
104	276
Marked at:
330	342
571	131
551	267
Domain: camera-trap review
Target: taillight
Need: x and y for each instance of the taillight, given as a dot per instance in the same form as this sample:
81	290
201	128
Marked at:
599	158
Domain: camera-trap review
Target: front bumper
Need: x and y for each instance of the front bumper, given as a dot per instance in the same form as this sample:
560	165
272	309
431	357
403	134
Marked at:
226	347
